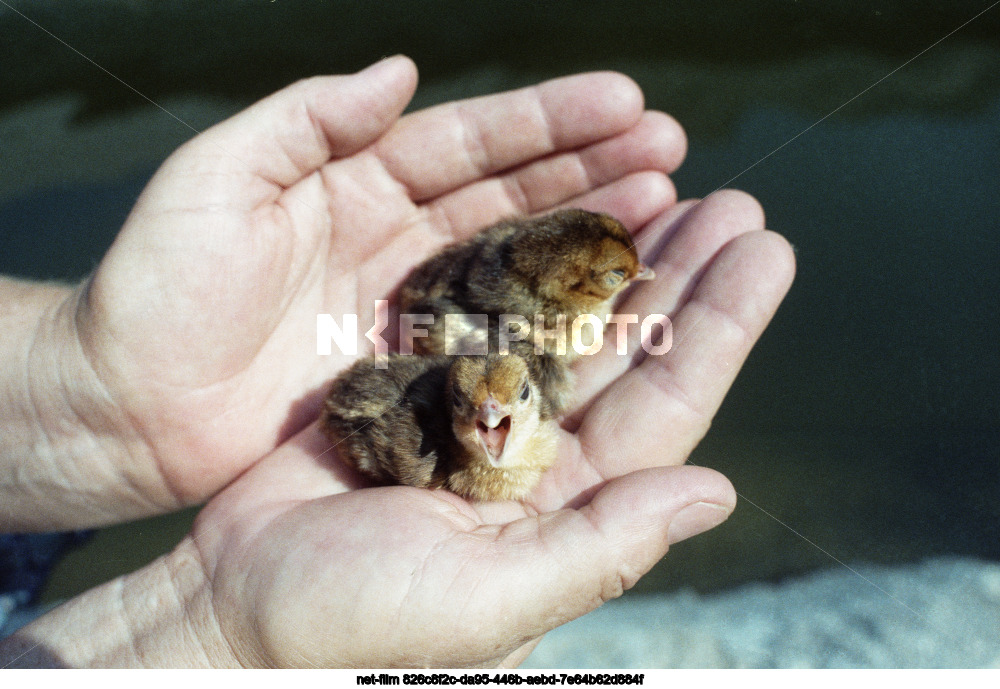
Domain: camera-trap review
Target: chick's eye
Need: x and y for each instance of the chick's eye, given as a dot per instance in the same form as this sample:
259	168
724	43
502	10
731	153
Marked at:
613	278
456	399
525	392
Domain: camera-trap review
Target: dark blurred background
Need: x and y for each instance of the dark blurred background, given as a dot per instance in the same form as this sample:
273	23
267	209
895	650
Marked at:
864	427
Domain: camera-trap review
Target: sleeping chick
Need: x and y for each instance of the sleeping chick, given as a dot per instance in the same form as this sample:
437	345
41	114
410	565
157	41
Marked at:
566	263
469	423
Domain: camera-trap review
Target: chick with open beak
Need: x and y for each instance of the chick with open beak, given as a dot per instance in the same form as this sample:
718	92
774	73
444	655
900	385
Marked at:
496	419
471	424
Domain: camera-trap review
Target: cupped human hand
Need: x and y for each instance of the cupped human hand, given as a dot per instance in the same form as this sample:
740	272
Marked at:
197	331
306	569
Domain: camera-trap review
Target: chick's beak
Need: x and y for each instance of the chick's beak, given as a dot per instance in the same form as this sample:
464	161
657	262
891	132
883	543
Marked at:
493	426
645	273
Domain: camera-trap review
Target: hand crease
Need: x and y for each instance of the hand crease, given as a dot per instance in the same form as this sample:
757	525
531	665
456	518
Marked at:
475	148
548	125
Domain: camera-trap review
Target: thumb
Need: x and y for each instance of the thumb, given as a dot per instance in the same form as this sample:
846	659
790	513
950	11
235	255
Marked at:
292	133
580	559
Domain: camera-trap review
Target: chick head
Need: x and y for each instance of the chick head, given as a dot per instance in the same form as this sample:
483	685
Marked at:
495	407
579	258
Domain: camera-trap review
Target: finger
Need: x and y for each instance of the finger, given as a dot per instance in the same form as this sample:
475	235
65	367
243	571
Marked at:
292	133
633	199
679	245
681	261
560	565
651	237
655	143
442	148
656	413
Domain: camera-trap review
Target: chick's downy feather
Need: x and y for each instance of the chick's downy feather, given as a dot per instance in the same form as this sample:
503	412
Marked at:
392	423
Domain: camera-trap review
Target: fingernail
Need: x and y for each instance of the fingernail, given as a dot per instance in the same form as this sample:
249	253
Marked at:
694	519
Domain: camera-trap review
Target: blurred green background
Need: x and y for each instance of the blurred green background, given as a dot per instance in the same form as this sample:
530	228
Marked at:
864	426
